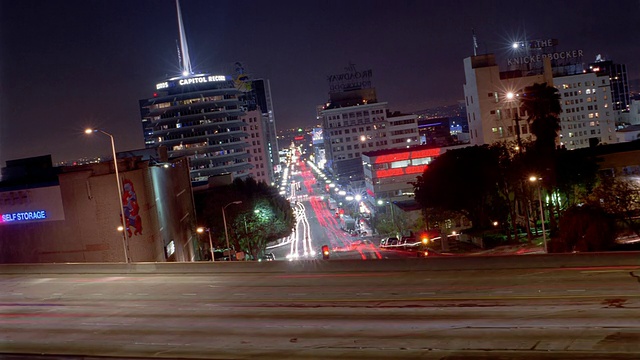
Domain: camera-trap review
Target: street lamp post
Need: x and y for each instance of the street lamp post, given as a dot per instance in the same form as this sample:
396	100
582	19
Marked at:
201	230
511	96
115	166
544	235
226	232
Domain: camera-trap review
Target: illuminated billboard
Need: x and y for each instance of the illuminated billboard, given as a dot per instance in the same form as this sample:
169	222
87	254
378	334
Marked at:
317	136
31	205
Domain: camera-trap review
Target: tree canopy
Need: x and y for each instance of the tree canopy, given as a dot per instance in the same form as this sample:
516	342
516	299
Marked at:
262	216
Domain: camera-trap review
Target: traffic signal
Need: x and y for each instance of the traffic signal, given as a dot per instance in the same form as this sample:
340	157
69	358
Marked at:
325	252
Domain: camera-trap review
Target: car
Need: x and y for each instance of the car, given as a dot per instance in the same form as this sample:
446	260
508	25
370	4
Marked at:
267	257
390	241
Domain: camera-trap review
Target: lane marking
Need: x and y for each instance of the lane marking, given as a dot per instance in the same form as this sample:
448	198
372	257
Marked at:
189	294
576	290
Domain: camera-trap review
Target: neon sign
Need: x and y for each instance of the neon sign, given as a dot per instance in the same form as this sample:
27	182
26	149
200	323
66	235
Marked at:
202	79
25	216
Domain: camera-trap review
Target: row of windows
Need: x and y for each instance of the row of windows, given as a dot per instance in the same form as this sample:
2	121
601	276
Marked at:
584	133
403	163
356	122
499	131
357	146
358	138
192	101
213	165
403	132
581	125
196	122
402	122
256	160
579	85
185	112
192	134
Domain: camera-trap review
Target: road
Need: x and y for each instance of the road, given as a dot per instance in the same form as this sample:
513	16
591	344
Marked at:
317	225
443	308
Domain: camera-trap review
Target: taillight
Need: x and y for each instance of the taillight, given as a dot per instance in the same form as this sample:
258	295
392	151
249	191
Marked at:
426	253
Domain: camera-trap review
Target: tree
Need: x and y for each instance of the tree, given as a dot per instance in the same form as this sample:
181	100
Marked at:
585	228
465	181
273	220
542	105
620	198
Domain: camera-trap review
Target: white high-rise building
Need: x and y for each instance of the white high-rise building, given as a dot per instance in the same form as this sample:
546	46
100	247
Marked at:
587	118
491	96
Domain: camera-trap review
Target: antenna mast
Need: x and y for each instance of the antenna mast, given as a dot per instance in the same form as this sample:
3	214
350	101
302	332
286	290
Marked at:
475	43
186	61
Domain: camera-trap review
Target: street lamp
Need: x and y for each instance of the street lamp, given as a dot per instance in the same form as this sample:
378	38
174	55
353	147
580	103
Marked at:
224	220
544	235
200	230
511	97
115	166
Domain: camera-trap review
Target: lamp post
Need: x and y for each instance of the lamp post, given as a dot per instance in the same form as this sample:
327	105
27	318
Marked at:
224	220
115	166
544	235
200	230
510	97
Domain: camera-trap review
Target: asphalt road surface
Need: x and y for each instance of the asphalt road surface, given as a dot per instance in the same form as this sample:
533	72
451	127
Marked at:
401	311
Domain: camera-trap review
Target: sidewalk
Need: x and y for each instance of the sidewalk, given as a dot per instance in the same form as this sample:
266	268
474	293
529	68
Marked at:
521	249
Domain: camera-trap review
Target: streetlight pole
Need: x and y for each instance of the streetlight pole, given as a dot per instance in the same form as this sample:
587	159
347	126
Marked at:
200	230
226	232
516	119
115	166
544	235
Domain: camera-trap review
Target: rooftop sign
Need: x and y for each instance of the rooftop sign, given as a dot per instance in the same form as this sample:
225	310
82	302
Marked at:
350	79
199	79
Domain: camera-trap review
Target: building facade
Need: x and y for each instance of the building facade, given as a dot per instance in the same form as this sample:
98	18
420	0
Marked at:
587	117
389	173
351	130
199	117
493	111
71	214
258	147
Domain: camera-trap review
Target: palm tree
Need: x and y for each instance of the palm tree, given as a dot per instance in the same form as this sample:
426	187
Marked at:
542	104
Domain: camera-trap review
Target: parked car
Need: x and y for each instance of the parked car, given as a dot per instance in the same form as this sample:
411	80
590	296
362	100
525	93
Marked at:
267	257
390	241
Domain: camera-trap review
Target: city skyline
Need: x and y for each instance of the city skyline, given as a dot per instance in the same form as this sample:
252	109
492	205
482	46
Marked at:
69	65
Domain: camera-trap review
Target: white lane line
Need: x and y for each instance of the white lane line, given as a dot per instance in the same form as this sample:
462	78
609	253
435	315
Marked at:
239	294
297	294
17	294
362	294
577	290
97	294
189	294
145	294
426	293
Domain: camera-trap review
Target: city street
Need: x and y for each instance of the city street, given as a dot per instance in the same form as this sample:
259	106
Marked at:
271	310
317	225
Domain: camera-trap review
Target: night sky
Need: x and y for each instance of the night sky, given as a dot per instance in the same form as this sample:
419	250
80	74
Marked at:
68	65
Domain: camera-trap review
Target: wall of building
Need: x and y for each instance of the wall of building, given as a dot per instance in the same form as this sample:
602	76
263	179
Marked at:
163	211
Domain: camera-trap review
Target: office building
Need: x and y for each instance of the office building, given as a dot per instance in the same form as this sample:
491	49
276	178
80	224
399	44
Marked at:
354	122
494	114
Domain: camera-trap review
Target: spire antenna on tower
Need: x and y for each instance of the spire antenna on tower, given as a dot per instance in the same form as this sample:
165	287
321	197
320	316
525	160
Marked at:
186	61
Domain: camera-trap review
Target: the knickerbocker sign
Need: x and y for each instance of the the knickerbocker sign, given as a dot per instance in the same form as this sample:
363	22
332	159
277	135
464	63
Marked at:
539	46
350	79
